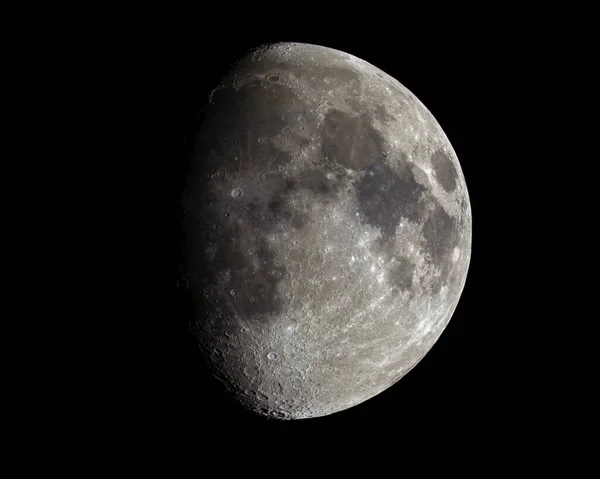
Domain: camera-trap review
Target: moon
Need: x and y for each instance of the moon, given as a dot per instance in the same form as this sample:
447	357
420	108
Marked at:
327	231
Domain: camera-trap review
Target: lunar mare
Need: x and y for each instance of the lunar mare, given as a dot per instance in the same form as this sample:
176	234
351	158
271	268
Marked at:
328	231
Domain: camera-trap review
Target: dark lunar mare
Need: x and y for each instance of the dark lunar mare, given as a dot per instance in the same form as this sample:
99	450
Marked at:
216	221
444	171
387	195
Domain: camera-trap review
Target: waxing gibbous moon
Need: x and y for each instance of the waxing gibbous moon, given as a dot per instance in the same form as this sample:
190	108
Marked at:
328	231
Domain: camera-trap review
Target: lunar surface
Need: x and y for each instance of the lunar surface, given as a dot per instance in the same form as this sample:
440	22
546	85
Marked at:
328	231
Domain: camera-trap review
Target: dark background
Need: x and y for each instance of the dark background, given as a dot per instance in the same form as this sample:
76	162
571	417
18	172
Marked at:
483	376
108	101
